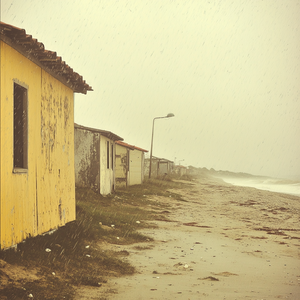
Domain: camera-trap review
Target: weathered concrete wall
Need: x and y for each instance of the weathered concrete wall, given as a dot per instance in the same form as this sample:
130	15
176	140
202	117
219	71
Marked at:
163	168
122	167
154	168
180	170
87	162
94	161
40	197
159	167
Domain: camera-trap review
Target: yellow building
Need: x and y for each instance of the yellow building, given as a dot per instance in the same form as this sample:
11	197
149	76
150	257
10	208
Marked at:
37	179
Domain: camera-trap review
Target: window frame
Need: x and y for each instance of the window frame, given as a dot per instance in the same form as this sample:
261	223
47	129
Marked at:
112	156
107	154
23	167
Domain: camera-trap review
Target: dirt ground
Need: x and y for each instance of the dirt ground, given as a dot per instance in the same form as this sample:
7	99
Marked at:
223	242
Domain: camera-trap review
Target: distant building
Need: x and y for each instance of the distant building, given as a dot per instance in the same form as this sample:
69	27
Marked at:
129	164
37	184
95	159
180	170
160	167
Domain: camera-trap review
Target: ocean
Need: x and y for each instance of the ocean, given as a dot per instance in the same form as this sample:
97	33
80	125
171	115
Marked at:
265	183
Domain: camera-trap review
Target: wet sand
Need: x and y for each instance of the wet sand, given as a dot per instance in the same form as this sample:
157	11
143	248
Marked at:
224	242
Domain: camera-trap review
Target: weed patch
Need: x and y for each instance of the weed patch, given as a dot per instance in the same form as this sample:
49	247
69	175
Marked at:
71	256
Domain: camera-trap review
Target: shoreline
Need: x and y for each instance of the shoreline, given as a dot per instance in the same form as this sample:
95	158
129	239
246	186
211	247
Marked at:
224	242
281	186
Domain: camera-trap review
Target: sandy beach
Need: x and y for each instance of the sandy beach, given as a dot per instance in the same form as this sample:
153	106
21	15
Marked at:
223	242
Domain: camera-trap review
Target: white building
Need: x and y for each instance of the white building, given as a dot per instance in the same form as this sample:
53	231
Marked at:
95	159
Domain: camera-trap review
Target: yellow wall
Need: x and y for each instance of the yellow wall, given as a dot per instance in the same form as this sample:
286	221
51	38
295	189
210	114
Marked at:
43	198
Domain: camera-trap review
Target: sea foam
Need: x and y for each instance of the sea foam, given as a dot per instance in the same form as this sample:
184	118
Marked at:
268	184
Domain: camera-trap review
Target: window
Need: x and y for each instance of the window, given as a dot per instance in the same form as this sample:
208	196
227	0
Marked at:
107	144
20	127
112	156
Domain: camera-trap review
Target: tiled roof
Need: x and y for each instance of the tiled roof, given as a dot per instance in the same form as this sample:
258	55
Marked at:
125	145
130	146
48	60
140	149
161	159
105	133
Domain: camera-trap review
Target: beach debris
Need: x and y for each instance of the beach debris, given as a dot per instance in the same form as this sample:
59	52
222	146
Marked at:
209	278
105	227
226	274
137	222
30	296
53	273
178	264
87	247
171	273
195	224
48	250
87	255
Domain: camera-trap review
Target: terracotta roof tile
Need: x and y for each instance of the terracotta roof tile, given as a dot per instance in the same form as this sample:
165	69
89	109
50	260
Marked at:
130	146
48	60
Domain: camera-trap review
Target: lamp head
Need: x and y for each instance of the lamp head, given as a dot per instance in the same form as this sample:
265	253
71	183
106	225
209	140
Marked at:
170	115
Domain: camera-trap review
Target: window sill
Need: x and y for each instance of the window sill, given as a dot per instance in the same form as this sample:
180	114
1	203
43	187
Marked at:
20	170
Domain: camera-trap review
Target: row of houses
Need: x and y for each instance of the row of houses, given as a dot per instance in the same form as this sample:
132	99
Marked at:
43	153
104	162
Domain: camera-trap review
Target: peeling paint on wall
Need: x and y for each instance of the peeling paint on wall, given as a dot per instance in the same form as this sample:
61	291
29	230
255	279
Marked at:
94	159
41	197
87	164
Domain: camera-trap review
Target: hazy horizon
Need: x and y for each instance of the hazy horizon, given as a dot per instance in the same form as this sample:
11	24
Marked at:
228	70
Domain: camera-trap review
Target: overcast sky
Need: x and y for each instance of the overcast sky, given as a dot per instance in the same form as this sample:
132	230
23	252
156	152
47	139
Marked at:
228	70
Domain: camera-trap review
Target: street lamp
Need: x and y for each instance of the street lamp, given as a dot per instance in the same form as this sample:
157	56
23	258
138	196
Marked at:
167	116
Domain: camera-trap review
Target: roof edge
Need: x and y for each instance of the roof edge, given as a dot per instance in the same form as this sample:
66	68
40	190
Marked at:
48	60
132	147
105	133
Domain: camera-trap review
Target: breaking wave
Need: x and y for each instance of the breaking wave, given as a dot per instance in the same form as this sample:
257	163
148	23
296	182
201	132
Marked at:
268	184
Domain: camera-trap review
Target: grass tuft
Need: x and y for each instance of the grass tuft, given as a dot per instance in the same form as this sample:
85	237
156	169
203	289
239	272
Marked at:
76	257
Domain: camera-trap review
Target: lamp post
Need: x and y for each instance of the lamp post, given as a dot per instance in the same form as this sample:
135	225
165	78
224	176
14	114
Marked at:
167	116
